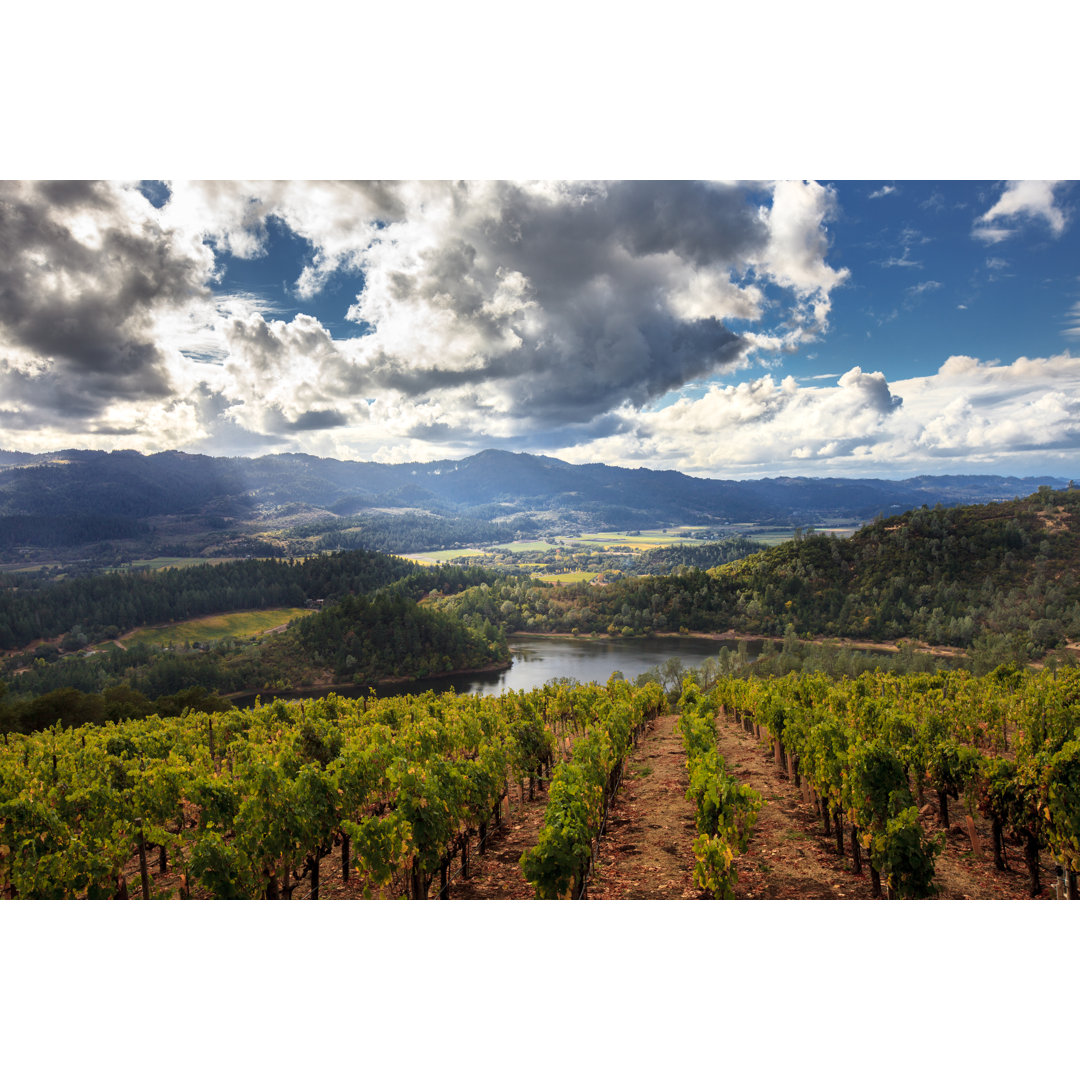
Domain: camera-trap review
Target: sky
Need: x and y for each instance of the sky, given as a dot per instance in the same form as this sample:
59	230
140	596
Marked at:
733	329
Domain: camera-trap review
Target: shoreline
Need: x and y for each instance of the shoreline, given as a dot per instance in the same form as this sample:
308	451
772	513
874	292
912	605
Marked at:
733	635
390	681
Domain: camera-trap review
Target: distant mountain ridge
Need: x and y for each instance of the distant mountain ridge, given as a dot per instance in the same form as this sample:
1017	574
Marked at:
487	485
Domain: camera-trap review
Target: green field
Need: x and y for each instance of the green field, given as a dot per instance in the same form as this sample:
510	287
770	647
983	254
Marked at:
643	541
442	556
525	545
570	577
236	624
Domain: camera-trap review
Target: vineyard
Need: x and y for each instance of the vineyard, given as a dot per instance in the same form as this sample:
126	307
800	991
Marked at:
447	796
869	752
249	804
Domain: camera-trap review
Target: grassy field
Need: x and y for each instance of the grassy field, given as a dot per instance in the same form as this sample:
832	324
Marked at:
643	541
237	624
442	556
570	577
525	545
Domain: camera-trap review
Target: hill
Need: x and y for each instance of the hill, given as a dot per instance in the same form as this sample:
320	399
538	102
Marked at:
111	507
999	577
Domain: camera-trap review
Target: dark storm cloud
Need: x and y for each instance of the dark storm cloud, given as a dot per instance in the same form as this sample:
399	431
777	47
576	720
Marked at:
468	437
701	222
318	420
565	304
85	305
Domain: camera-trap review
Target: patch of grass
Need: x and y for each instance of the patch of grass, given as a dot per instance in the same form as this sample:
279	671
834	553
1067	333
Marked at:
794	834
569	577
236	624
644	770
442	556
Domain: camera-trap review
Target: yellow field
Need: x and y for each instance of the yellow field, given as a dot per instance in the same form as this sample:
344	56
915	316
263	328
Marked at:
570	577
237	624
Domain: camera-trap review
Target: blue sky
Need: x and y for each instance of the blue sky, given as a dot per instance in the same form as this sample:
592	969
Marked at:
925	285
723	329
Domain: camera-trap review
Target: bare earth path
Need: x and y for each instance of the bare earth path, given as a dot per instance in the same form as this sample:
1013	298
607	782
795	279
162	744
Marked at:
496	875
790	858
647	851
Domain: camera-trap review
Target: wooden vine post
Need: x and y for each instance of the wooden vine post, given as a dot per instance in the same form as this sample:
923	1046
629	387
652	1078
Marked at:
143	872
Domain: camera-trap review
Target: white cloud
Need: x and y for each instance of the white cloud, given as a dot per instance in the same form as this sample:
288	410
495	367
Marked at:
797	249
888	189
990	235
1022	199
494	309
923	287
1021	417
1073	317
499	310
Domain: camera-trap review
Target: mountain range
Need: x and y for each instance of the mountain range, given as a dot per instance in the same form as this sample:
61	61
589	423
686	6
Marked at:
78	497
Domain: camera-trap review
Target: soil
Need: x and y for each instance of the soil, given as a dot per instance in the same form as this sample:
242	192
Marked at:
789	857
647	850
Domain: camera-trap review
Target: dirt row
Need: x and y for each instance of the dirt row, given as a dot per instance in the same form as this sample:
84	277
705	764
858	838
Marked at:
790	857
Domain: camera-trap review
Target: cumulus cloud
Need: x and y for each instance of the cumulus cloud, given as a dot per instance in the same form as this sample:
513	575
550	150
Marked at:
1031	199
485	311
888	189
969	412
89	270
499	310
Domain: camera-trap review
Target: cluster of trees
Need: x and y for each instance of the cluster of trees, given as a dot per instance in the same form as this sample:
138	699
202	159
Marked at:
121	702
47	530
1000	578
615	560
364	639
406	532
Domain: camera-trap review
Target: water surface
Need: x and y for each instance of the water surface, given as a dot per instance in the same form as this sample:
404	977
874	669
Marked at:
537	660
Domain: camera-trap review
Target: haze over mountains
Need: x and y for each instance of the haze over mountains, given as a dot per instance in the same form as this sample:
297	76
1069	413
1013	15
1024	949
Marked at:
81	495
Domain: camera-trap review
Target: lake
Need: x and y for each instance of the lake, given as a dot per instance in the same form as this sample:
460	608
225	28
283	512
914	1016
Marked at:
540	659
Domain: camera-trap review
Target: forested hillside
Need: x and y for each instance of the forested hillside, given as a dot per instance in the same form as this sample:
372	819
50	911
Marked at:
950	576
104	605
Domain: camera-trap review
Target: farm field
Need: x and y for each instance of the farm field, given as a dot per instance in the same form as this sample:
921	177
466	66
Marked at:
601	541
525	545
236	624
641	541
442	556
570	577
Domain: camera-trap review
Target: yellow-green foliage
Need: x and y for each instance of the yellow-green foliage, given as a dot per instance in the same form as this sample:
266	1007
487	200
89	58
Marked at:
235	624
